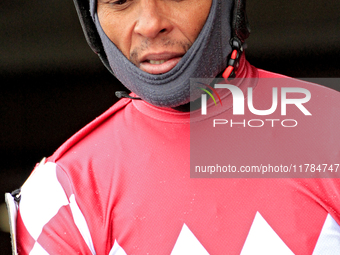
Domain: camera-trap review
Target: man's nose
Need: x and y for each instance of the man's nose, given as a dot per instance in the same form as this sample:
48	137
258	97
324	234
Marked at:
151	20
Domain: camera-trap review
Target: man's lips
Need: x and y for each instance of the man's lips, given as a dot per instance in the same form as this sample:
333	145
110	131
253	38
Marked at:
159	63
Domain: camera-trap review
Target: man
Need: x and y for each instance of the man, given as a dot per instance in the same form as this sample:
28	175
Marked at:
122	184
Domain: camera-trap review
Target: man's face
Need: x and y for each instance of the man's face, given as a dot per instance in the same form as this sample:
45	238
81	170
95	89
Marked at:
153	34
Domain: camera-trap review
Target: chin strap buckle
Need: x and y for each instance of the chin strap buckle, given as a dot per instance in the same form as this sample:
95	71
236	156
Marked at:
234	59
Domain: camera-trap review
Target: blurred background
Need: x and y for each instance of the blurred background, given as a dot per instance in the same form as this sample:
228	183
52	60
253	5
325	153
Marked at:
52	84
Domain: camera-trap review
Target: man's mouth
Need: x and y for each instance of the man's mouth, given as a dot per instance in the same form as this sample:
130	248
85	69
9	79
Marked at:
159	63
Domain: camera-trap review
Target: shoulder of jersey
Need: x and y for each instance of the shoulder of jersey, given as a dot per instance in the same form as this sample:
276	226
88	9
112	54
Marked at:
88	129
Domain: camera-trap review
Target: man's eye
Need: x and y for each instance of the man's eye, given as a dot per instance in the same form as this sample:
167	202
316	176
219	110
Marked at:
119	2
118	5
